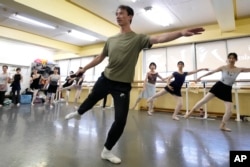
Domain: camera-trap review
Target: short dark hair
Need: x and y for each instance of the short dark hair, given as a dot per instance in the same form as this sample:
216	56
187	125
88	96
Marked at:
18	69
180	62
152	63
129	10
5	66
233	54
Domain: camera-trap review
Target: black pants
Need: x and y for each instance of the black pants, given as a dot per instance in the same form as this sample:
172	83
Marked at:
15	96
2	96
104	102
121	94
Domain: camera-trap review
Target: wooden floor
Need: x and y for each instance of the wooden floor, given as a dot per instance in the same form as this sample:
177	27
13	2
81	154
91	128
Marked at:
40	137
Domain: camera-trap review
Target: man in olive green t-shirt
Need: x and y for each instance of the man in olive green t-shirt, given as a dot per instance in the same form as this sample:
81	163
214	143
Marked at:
123	50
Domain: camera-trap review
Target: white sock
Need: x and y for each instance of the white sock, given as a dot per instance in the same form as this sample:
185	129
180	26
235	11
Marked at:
106	154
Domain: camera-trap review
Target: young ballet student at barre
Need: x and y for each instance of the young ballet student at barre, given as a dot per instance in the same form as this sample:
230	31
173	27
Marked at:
223	88
174	88
149	88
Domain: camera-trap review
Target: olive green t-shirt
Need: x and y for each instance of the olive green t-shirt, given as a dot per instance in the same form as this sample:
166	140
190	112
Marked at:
123	51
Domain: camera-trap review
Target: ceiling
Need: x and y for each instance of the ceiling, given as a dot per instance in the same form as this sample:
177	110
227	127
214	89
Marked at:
182	13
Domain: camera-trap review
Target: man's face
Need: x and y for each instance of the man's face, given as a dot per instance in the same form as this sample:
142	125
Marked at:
122	17
4	69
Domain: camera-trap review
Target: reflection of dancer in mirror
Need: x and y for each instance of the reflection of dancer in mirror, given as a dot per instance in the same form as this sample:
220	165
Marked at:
35	84
4	80
149	86
174	88
53	81
123	50
16	87
223	88
79	77
68	82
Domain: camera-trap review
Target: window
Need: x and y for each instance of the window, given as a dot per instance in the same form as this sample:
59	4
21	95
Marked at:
74	64
158	56
63	64
100	68
183	53
90	72
211	55
241	46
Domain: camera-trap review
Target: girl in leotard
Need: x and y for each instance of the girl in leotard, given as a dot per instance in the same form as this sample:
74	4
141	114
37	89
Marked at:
69	81
35	84
53	81
174	87
223	88
79	77
149	85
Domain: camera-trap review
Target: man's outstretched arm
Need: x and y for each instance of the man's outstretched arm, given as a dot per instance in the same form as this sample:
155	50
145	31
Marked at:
166	37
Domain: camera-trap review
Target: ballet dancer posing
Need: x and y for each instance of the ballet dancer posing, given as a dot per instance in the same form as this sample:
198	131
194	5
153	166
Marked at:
174	88
78	77
223	88
149	85
53	81
69	81
123	50
35	84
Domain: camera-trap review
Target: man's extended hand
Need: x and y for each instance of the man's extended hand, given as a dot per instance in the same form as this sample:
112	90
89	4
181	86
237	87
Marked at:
192	31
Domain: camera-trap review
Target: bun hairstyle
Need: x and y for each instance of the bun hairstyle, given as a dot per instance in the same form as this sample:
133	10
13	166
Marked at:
152	63
233	54
180	62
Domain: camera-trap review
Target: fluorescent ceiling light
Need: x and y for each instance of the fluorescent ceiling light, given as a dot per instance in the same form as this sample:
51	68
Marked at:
30	21
157	16
82	36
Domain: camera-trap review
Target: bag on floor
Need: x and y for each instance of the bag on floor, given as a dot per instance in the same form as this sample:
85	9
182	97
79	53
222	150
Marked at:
7	101
25	99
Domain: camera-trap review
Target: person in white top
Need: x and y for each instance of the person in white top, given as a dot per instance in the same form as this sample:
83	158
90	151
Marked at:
4	80
53	81
223	88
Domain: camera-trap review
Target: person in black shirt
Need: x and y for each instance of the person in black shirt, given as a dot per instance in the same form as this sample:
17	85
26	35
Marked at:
16	87
174	87
68	82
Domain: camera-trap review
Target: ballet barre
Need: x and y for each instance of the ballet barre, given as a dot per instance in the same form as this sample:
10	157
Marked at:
204	85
